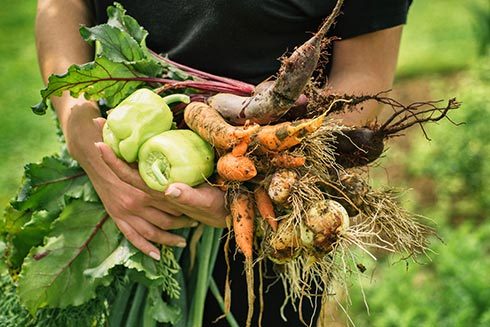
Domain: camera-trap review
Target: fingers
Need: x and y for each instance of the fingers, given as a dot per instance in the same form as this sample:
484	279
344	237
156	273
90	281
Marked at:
146	243
204	203
99	122
121	168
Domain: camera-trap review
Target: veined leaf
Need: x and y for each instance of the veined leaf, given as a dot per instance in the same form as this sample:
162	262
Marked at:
117	17
47	185
122	39
52	275
122	64
100	79
160	310
25	229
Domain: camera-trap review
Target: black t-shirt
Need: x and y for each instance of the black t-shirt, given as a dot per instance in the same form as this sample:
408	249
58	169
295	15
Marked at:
245	39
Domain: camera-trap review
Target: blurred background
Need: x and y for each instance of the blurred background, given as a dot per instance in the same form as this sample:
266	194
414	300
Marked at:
445	53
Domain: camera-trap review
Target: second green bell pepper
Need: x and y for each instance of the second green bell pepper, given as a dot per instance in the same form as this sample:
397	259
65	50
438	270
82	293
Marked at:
175	156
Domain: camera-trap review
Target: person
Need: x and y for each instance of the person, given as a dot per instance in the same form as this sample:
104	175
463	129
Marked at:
238	39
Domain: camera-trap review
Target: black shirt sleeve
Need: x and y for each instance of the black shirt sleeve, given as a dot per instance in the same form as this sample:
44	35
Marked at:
366	16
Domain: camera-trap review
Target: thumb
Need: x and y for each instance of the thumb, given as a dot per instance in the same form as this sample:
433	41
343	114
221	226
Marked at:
204	202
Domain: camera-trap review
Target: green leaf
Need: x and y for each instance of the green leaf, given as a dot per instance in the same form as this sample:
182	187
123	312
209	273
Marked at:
117	17
100	79
123	63
25	231
52	275
115	44
122	39
48	184
47	187
161	311
119	256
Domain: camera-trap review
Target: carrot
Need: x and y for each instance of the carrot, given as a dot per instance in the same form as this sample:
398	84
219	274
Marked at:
236	168
287	160
242	212
272	101
265	207
282	136
209	124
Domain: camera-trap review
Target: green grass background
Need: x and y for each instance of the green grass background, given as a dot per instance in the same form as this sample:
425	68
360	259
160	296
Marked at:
24	137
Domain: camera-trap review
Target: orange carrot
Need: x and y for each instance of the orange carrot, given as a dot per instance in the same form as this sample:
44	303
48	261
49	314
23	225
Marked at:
242	212
209	124
236	168
282	136
265	207
287	160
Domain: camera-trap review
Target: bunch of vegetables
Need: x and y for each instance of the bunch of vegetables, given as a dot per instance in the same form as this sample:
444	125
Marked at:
295	182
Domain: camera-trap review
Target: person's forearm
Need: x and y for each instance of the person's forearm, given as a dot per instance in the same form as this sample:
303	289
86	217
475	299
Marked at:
58	40
59	45
365	65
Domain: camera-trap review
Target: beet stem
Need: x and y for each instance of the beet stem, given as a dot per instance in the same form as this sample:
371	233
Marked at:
245	87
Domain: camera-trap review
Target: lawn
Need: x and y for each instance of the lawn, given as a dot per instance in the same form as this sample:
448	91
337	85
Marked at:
24	137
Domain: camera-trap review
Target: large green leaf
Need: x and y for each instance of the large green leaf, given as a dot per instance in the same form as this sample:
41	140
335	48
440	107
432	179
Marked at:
49	183
123	63
53	274
47	187
100	79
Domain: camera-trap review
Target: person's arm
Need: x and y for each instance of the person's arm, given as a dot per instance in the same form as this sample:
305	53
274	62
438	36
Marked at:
143	215
365	65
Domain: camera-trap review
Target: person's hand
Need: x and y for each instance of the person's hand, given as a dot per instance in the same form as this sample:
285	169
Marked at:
146	216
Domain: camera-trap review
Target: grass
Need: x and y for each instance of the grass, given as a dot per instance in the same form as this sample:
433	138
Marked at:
24	137
439	37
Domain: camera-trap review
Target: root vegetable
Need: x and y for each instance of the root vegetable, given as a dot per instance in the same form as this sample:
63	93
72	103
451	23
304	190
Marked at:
354	189
358	147
283	136
236	168
281	184
242	212
208	123
273	101
287	160
285	244
323	224
265	206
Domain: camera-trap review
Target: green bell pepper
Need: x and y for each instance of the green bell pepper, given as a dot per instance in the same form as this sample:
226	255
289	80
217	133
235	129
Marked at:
175	156
140	116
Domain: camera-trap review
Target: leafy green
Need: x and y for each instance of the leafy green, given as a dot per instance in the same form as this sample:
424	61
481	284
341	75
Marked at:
97	80
53	274
47	187
122	64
